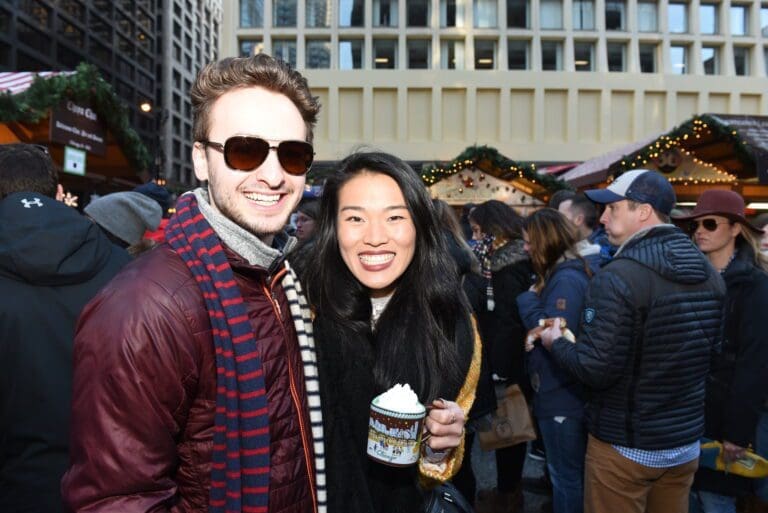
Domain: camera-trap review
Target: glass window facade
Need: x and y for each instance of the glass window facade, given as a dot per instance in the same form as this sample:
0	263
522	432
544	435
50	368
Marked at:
284	13
739	20
250	47
351	13
318	13
485	54
708	18
647	17
451	13
452	54
419	54
318	54
678	58
551	55
385	53
418	13
647	54
741	60
709	60
583	15
617	56
350	53
285	50
677	18
615	15
551	14
485	13
584	56
385	13
251	13
518	54
518	14
764	20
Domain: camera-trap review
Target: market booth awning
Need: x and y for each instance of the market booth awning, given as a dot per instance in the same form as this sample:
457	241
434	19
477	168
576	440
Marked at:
481	173
708	150
77	110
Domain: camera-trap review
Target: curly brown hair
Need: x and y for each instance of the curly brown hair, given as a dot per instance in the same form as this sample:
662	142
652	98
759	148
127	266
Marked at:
259	70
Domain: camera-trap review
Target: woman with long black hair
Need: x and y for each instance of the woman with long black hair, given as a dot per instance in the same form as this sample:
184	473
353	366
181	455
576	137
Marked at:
388	309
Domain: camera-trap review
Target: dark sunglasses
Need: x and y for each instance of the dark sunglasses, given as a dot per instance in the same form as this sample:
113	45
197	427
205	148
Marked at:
247	153
709	224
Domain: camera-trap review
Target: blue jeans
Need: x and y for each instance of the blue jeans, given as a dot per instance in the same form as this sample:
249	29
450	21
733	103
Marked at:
565	444
708	502
761	447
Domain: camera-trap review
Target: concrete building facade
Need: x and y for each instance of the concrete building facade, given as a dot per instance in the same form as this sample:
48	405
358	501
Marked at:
189	34
540	80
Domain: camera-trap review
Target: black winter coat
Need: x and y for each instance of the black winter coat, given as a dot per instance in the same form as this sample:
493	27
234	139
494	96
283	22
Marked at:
651	324
356	484
737	385
502	329
52	262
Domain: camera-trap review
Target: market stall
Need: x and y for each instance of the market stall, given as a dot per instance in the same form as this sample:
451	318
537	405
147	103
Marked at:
481	173
78	118
708	150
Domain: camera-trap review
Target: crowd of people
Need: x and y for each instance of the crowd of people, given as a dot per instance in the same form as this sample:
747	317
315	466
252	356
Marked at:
227	366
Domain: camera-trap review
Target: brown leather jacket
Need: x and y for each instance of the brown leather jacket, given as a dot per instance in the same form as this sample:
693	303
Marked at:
144	392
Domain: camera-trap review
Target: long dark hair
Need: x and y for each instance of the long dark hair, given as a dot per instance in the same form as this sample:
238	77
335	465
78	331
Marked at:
550	235
496	218
415	339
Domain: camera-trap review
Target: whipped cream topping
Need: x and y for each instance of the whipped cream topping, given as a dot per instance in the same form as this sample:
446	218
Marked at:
400	398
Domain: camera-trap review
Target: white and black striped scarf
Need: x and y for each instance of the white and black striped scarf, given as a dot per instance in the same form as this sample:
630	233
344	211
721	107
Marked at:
302	320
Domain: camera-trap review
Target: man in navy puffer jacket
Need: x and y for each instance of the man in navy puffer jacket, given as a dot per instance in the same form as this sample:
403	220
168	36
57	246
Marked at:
651	323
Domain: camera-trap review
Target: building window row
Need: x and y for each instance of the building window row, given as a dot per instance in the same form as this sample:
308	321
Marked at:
453	54
453	13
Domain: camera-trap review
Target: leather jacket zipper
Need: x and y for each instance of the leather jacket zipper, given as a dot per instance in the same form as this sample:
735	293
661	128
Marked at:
269	292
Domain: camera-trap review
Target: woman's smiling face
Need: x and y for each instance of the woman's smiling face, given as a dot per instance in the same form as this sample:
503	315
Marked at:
377	236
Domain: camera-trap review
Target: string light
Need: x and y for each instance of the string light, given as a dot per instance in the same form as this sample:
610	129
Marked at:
696	129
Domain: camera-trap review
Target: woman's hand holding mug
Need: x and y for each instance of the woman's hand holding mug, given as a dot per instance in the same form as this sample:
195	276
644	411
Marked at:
444	425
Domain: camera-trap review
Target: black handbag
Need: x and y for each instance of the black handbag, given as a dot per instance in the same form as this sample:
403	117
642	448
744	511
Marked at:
445	498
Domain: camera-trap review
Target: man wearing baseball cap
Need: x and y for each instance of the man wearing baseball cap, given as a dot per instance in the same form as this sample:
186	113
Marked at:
650	326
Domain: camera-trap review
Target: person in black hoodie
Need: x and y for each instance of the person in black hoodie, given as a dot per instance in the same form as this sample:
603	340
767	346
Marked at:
52	262
737	383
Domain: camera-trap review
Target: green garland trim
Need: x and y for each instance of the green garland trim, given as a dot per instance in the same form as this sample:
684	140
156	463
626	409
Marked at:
85	85
491	160
677	137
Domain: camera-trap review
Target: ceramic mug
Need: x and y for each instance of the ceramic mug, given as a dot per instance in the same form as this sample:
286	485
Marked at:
394	438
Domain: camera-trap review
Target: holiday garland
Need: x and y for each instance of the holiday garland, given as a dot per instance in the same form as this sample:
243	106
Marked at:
86	85
491	161
691	130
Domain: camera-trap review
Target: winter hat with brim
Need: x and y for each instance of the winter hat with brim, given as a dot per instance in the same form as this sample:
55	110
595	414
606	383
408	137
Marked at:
126	215
715	202
640	185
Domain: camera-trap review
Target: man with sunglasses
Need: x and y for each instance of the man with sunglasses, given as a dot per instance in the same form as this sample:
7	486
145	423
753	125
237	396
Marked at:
736	389
650	326
195	382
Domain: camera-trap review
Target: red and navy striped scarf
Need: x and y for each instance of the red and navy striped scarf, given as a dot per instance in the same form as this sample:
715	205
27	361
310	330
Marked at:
240	466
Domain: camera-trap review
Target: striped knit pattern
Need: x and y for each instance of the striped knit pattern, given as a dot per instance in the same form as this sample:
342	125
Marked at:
302	320
240	464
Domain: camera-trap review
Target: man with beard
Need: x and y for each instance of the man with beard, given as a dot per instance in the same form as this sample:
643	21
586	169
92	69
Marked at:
195	383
